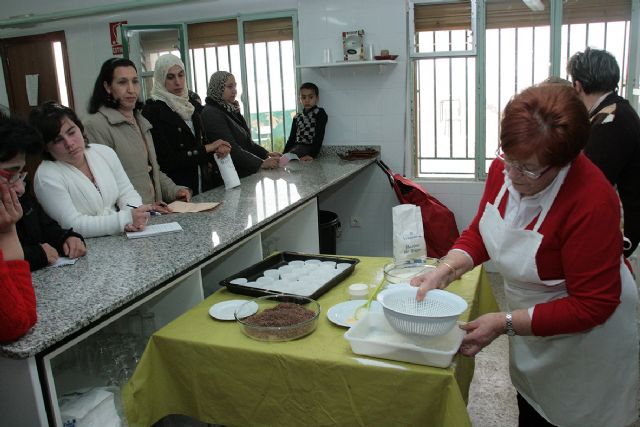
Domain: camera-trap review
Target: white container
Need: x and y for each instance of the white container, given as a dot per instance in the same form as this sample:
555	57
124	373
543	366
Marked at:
373	336
264	281
329	264
359	291
274	274
341	266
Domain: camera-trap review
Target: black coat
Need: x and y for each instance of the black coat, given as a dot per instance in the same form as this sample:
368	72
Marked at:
614	146
180	153
36	227
247	156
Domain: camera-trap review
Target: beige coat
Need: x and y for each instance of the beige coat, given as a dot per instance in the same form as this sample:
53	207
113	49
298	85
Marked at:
109	127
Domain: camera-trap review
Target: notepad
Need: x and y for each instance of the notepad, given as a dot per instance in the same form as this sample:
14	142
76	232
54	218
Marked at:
155	229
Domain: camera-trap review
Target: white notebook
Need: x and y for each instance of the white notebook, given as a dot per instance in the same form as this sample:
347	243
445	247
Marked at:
155	229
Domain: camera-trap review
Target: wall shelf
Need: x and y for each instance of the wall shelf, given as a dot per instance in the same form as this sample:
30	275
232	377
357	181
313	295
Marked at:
349	64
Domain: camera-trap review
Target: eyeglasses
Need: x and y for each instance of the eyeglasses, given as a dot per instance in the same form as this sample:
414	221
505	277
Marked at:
9	177
509	164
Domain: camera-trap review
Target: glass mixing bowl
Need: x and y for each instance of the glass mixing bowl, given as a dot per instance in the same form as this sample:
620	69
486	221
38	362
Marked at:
279	317
404	271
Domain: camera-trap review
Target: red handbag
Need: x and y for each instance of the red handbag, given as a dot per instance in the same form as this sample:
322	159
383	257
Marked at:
438	222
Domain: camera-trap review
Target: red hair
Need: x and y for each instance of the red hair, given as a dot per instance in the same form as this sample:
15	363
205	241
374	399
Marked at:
549	121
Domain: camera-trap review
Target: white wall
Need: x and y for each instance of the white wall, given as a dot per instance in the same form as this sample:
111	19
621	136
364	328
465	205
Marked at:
366	105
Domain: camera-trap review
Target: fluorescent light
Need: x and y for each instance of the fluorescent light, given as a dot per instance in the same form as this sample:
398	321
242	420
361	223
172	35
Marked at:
535	5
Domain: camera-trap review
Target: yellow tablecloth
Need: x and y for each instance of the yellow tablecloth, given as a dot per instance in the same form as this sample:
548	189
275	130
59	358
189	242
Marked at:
209	370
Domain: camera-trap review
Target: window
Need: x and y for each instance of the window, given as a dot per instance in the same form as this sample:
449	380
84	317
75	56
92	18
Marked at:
266	77
456	121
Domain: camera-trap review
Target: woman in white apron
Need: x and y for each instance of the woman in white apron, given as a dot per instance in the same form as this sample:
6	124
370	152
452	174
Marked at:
549	222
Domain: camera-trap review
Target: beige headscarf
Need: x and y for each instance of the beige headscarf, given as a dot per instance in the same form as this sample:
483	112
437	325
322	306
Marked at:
179	104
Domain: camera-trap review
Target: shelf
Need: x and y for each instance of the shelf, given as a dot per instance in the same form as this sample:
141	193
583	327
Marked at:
349	64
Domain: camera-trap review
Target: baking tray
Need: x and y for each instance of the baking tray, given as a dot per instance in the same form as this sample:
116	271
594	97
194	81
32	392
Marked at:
373	336
277	260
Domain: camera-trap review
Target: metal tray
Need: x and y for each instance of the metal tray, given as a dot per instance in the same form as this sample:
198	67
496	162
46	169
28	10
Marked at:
277	260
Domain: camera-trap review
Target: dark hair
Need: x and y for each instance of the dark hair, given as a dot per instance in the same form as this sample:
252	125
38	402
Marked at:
548	120
47	119
310	86
100	96
596	70
17	137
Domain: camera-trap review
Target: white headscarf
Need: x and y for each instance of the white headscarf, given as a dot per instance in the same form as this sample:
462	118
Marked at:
179	104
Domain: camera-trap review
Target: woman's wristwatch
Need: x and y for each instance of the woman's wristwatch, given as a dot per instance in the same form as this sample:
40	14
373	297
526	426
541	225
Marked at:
509	325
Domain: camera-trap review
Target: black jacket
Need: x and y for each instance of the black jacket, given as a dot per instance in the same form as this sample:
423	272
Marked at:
180	153
247	156
36	227
614	146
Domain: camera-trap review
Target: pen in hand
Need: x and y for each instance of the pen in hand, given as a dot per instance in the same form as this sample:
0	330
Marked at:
151	212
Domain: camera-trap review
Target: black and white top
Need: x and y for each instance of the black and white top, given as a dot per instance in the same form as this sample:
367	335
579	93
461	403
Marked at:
307	132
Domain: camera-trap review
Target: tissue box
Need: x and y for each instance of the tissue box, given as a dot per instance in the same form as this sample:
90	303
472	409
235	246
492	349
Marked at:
91	407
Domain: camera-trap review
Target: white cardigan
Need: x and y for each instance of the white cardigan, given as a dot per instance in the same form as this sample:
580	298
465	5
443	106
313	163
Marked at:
70	198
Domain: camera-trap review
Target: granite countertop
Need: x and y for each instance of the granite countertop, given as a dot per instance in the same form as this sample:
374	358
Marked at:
117	270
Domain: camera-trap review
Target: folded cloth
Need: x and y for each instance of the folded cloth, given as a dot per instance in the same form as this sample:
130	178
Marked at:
366	153
92	407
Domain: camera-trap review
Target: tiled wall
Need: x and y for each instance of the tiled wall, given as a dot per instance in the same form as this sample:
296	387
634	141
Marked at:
368	105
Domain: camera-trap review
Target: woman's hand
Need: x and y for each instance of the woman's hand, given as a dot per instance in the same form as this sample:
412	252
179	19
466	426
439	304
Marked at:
10	208
306	158
140	217
432	279
220	147
74	247
275	154
481	332
183	194
161	207
270	163
50	252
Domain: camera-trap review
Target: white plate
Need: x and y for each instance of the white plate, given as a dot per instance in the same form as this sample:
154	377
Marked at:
343	314
224	310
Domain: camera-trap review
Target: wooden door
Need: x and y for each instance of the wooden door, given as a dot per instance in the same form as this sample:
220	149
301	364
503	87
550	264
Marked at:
22	56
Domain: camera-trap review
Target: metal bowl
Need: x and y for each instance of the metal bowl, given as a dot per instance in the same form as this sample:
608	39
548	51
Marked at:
254	323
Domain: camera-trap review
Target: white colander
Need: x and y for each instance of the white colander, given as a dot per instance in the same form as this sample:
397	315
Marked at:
436	314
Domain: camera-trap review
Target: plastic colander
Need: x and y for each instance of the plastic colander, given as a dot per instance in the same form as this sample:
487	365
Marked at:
436	314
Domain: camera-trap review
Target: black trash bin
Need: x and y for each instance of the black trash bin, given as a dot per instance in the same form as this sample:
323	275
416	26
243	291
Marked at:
328	230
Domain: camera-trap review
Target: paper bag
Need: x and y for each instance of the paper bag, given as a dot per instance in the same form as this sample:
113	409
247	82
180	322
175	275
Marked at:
227	171
408	234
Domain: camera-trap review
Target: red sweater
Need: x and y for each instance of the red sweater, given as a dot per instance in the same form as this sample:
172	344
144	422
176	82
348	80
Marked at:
17	299
581	244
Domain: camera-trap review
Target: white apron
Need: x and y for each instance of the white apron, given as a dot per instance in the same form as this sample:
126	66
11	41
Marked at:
582	379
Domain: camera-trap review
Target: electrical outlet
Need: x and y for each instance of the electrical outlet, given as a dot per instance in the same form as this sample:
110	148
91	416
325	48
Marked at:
355	221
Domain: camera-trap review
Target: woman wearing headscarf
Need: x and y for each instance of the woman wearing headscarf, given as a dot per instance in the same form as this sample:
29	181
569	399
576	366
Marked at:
222	120
178	133
116	122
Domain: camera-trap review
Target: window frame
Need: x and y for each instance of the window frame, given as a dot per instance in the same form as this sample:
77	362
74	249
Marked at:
479	53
